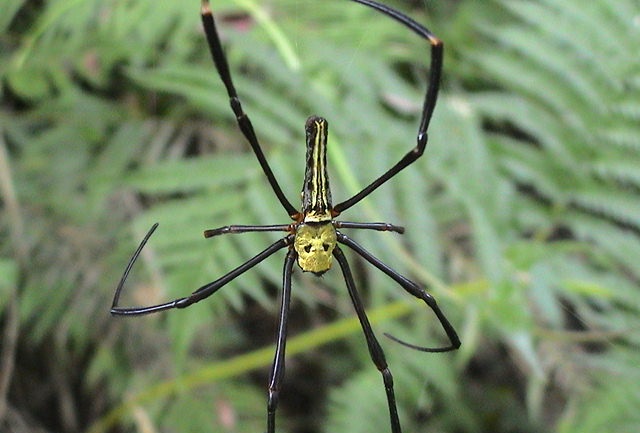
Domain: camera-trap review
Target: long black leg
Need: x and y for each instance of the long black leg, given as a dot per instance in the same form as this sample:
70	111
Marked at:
375	350
200	294
245	229
381	227
414	290
222	66
277	368
429	103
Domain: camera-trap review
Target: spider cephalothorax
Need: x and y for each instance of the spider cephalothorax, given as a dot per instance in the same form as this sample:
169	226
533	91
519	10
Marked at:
314	244
313	239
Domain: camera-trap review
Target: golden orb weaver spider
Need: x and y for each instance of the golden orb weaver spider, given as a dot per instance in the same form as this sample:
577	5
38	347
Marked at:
312	238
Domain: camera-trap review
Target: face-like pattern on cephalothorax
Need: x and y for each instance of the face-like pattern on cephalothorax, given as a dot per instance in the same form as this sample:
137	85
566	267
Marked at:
314	244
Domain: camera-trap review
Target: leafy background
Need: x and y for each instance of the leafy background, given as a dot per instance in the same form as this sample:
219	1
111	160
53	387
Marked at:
522	218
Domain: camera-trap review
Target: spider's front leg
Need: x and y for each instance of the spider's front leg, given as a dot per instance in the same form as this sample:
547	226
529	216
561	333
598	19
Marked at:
375	350
277	368
413	289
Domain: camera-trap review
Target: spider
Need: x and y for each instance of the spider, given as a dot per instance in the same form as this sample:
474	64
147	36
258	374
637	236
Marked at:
312	239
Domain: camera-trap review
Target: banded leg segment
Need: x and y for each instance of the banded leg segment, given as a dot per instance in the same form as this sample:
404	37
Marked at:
222	66
375	350
430	98
413	289
198	295
277	368
381	227
246	229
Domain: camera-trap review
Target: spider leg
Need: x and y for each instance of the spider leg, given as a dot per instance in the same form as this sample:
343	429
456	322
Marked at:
429	103
375	350
222	66
245	229
381	227
200	294
415	290
277	368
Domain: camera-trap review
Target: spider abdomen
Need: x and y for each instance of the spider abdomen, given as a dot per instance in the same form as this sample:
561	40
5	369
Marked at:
316	194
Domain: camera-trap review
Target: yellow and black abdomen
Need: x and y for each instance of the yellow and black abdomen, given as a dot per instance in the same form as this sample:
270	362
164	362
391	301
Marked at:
316	194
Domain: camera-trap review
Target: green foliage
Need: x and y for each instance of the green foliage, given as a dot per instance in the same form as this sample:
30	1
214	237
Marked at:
564	122
522	217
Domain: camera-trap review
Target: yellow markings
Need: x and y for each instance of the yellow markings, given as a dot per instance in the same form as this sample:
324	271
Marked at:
318	185
316	196
317	217
205	8
314	244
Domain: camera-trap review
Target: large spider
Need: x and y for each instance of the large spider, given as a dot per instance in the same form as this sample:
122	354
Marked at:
312	238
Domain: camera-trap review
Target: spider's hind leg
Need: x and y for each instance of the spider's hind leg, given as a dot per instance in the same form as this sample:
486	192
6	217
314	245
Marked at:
244	123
